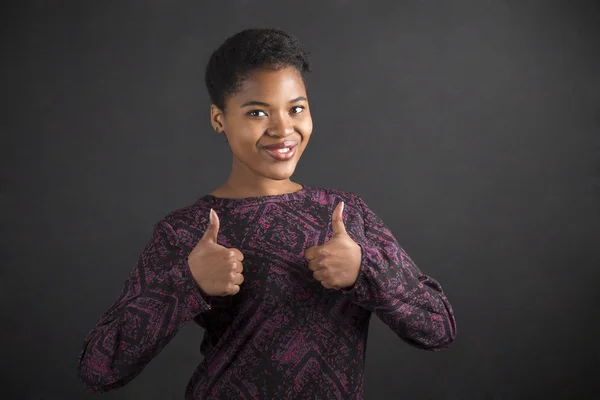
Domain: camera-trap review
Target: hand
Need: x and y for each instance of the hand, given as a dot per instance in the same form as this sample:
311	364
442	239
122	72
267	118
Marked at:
336	264
217	270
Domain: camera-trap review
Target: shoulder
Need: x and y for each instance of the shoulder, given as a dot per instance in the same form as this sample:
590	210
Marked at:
190	220
332	196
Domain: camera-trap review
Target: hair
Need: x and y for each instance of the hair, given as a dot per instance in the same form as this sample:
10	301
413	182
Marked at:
245	52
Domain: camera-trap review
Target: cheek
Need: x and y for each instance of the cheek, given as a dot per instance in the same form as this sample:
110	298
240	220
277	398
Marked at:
243	148
245	136
305	127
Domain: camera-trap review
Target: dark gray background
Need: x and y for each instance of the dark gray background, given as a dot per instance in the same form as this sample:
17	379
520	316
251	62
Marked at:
471	128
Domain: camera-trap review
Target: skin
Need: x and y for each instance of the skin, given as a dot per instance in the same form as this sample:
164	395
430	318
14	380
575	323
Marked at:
271	107
336	263
283	114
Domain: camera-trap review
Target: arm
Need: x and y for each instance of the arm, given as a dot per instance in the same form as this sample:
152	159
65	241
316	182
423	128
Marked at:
389	284
157	299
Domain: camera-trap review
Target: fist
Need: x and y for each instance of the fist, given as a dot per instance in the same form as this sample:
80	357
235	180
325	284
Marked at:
336	264
216	269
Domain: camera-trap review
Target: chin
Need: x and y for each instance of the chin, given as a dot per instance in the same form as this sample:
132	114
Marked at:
279	177
279	174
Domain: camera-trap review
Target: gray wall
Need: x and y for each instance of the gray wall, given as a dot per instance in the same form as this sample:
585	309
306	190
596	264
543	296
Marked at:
471	128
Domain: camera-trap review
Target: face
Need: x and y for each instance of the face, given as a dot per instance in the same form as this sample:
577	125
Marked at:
267	124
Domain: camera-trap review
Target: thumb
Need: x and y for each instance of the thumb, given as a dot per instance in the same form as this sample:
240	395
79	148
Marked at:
337	221
212	230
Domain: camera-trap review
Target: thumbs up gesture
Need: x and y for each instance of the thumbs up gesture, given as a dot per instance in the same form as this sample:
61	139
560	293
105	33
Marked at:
217	270
336	263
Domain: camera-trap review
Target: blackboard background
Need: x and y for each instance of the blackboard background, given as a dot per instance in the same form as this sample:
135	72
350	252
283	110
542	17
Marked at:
470	127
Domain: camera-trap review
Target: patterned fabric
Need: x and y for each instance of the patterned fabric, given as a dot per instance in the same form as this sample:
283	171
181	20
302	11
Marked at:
283	336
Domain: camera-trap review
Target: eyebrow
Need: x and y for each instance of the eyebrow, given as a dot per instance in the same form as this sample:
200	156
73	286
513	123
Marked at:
262	104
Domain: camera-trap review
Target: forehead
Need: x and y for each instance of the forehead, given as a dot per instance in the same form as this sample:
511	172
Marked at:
284	84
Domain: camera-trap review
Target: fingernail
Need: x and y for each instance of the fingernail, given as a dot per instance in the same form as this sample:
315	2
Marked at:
210	215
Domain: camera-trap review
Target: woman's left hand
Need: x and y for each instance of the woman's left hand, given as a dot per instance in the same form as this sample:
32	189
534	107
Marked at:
336	263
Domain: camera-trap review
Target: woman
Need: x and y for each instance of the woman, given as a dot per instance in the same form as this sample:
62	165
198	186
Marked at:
282	277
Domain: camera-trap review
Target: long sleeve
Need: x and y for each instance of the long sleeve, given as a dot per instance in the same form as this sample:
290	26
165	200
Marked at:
156	300
389	284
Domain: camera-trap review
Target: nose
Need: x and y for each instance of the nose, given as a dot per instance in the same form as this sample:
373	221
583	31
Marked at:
281	126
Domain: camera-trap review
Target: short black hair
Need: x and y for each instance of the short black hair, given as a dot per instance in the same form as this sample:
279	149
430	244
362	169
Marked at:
247	51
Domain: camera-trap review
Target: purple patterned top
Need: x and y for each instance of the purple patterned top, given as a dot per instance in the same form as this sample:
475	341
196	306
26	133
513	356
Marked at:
283	336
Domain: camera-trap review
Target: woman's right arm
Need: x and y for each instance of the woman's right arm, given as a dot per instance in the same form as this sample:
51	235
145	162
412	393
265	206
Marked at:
157	299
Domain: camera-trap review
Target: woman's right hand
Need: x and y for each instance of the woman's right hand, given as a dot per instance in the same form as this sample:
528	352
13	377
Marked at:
217	270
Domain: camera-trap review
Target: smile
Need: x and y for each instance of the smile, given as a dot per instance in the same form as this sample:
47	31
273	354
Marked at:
282	154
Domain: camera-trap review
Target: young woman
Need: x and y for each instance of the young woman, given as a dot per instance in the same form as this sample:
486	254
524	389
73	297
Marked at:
283	277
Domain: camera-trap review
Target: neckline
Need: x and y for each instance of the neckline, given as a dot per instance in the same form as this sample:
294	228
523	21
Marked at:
274	198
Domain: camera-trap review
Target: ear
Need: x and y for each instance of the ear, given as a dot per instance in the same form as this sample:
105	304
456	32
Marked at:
217	119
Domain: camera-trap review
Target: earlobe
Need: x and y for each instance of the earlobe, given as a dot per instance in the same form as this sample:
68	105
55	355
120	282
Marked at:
216	118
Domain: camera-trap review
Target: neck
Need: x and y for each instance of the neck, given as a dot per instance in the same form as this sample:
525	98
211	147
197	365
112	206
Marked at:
247	184
234	188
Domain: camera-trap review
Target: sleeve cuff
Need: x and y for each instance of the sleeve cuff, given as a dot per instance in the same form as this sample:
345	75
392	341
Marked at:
196	301
359	289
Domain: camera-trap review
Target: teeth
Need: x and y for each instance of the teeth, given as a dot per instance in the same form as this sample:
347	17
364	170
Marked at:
284	150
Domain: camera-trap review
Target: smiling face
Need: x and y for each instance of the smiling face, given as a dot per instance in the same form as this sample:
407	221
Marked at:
267	124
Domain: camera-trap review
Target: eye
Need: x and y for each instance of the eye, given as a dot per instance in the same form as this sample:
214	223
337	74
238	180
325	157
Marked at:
256	113
297	109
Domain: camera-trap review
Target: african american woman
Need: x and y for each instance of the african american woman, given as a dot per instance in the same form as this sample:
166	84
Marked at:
282	277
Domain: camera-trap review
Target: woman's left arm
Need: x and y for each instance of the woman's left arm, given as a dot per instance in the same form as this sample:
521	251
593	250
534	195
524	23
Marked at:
391	285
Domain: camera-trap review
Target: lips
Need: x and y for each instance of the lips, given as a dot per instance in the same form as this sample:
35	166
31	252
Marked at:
281	151
281	145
